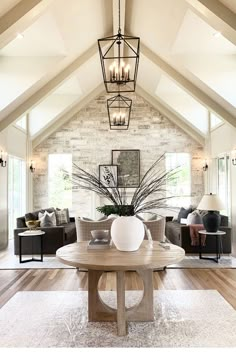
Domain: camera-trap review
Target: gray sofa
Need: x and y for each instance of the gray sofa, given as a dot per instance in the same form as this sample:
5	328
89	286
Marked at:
180	235
54	238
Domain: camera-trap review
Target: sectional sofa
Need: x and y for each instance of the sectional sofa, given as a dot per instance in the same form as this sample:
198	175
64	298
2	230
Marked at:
55	236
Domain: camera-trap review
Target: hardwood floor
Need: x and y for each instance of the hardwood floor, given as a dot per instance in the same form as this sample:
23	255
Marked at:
12	281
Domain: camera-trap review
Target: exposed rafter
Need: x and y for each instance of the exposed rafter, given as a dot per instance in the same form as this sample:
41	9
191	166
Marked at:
188	86
218	9
212	9
20	17
176	118
66	115
22	105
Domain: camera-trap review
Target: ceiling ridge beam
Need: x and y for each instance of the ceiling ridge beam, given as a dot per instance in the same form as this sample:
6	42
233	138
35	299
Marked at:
12	21
66	115
188	86
174	117
20	106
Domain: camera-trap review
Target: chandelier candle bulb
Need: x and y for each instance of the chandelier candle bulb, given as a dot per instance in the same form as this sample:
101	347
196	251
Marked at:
111	72
122	71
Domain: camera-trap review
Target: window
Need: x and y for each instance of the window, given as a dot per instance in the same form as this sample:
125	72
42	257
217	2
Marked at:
224	183
21	123
59	185
16	191
180	185
215	121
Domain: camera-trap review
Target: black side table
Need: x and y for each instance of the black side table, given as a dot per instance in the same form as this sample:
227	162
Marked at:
32	234
219	247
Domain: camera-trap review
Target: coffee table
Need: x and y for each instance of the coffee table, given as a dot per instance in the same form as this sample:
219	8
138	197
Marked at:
143	261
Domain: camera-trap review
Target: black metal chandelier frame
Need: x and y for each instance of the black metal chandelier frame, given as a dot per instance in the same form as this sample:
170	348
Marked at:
120	103
119	78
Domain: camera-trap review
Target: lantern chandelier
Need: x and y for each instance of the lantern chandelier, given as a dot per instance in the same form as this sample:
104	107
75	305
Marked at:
119	55
119	110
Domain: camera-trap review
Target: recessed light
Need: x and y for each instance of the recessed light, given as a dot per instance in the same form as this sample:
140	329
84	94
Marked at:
19	36
217	34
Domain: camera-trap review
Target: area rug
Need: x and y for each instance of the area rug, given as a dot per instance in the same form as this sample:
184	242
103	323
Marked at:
51	262
195	262
186	318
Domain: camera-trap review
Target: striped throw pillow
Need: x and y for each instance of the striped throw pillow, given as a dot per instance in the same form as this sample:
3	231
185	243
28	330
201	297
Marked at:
61	216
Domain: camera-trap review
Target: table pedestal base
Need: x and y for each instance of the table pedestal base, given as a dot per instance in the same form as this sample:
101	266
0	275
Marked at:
98	311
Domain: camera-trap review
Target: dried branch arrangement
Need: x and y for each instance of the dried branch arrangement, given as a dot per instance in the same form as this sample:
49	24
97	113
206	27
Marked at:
151	193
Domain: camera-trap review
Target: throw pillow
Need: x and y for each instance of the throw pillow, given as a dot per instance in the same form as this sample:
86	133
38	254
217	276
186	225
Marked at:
103	218
194	218
139	217
47	220
224	220
51	217
183	213
67	213
61	217
152	218
30	216
88	219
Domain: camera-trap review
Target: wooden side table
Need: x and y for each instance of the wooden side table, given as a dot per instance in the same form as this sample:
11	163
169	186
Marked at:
32	234
219	247
143	261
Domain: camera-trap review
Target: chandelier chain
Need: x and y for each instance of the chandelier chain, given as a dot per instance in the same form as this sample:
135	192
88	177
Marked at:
119	16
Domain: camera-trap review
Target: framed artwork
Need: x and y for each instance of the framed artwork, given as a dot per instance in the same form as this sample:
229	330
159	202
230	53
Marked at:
128	162
108	175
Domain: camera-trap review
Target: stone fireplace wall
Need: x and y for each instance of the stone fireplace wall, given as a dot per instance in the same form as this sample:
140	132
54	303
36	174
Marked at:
88	138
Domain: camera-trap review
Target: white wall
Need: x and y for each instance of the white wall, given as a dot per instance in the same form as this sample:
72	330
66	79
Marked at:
223	140
13	141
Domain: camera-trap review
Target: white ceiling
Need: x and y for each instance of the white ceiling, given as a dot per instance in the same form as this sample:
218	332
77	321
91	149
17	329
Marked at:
183	103
43	38
170	28
196	37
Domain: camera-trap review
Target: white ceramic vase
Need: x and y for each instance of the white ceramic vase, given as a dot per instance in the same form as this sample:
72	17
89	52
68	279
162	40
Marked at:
127	233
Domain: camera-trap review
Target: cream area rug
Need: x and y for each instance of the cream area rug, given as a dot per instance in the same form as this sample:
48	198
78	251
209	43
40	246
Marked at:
186	318
51	262
195	262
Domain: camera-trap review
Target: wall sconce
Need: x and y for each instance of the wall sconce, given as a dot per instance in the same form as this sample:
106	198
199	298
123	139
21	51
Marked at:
3	159
205	167
234	157
32	168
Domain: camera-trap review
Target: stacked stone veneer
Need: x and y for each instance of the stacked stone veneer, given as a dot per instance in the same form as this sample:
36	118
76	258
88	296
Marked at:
88	138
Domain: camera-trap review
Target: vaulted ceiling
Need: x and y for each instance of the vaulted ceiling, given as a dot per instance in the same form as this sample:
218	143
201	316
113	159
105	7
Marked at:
50	68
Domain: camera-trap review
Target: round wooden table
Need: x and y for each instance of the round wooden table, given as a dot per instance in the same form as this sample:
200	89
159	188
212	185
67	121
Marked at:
142	261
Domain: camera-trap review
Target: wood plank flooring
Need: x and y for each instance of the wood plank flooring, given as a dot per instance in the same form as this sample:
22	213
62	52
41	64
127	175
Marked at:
12	281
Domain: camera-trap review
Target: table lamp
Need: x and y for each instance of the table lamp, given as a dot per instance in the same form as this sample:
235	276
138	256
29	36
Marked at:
211	203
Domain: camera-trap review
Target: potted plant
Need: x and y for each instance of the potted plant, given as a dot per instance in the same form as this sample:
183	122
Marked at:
127	230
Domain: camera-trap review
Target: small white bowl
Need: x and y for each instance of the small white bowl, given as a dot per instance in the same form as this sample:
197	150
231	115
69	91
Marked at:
100	234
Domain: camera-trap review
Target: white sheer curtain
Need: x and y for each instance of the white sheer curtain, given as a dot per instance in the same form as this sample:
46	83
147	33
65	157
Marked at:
16	191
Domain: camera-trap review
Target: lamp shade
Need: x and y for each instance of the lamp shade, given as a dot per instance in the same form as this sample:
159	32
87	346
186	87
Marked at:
211	202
